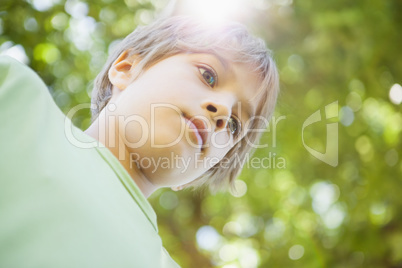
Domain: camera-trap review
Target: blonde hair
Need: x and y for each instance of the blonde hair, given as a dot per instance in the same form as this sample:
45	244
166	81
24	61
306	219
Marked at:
170	36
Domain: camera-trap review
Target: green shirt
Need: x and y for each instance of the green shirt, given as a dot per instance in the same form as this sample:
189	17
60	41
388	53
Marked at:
62	205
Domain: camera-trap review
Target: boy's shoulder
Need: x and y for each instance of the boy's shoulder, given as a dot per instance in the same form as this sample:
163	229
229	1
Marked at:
19	83
10	66
67	199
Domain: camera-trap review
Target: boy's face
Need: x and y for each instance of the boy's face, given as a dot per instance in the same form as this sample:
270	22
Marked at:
182	115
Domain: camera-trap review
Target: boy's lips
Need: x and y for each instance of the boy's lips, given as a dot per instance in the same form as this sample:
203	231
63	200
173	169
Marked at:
199	128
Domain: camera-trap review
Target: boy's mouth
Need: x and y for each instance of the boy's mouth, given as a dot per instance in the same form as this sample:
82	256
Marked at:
199	129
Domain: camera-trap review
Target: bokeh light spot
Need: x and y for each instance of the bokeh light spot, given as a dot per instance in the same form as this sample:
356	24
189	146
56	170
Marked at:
274	230
357	86
354	101
80	31
208	238
76	9
59	21
364	148
296	252
379	213
395	94
232	228
43	5
228	253
31	25
391	157
249	257
47	52
168	200
324	195
248	224
346	116
240	188
334	217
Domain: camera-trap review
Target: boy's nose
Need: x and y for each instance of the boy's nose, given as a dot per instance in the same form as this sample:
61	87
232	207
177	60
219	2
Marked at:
219	113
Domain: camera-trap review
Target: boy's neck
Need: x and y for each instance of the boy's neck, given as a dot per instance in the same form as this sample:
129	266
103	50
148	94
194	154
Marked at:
107	135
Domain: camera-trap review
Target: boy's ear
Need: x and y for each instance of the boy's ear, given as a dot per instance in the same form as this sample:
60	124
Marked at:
120	73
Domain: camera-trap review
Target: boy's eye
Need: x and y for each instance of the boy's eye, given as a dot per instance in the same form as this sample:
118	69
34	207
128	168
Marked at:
234	126
208	75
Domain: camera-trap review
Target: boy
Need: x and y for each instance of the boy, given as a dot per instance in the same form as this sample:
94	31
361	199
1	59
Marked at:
176	89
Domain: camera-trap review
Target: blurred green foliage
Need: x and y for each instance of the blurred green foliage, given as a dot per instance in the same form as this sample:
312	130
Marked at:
301	212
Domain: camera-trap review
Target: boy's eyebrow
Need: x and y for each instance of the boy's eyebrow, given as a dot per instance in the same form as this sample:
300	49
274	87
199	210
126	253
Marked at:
222	61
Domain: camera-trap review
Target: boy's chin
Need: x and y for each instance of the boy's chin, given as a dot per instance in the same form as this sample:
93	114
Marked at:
171	166
171	177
